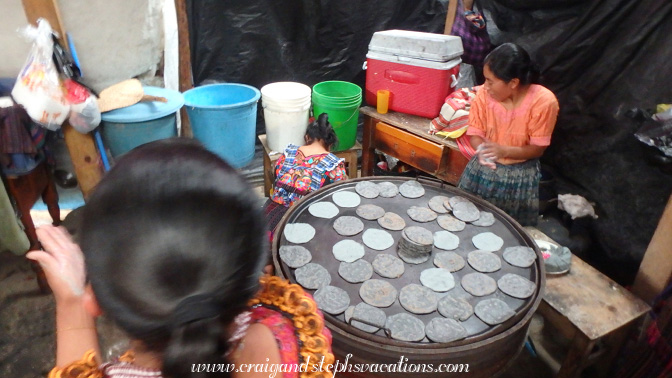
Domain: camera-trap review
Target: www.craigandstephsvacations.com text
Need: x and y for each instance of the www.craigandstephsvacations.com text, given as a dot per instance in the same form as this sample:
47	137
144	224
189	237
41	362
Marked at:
402	366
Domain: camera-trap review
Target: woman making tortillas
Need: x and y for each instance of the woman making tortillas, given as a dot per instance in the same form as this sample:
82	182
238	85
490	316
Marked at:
510	125
305	169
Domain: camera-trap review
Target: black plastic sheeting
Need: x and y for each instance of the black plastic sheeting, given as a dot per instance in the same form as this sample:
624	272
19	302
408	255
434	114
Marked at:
600	58
263	41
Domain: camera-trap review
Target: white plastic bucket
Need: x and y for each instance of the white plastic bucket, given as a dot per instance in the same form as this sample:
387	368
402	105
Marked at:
286	110
285	126
285	90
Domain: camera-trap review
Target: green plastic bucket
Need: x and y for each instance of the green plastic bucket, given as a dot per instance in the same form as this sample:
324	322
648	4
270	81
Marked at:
341	101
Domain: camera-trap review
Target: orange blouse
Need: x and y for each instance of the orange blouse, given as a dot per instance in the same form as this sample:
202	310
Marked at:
530	123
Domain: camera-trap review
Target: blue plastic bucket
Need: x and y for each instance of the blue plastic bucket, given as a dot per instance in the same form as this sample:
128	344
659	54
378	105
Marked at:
223	117
129	127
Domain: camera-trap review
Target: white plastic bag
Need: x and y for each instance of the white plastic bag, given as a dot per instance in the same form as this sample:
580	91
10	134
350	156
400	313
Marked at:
38	86
85	116
84	111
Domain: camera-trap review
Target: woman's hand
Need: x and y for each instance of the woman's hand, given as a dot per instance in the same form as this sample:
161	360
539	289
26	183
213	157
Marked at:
62	261
488	153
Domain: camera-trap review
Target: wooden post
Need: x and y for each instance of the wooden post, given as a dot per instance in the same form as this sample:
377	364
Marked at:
450	16
655	271
186	77
82	149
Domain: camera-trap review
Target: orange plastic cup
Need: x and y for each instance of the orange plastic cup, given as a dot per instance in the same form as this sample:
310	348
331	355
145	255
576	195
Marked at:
382	101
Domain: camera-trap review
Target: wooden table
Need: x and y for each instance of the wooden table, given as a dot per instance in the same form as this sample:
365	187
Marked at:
406	137
350	156
587	307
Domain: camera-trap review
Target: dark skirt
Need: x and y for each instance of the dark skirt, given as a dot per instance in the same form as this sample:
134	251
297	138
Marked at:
513	188
273	212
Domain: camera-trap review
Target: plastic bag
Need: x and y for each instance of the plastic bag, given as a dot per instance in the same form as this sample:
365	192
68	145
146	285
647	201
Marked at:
38	86
657	134
84	111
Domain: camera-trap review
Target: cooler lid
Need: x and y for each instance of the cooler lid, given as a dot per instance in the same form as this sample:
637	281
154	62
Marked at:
147	111
419	45
415	62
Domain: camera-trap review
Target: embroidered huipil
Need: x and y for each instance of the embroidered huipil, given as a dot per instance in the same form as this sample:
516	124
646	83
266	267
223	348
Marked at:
297	175
531	122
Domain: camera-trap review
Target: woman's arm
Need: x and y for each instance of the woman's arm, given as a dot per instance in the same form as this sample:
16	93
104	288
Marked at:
63	264
75	332
475	141
496	151
258	347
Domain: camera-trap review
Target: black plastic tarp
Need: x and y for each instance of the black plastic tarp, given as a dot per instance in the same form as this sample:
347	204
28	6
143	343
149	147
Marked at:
600	58
606	57
262	41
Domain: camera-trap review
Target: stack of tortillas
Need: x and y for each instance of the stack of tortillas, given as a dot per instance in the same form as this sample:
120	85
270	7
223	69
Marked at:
123	94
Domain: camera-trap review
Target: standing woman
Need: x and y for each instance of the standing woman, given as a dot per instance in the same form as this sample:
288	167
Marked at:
305	169
510	126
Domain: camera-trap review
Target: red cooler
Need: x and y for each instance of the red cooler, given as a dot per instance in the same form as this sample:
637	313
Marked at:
419	69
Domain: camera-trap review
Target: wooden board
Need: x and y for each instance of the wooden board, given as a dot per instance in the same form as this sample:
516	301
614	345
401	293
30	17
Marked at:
450	16
185	74
411	123
591	301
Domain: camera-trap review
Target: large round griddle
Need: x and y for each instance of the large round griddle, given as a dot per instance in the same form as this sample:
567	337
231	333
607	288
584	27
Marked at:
325	238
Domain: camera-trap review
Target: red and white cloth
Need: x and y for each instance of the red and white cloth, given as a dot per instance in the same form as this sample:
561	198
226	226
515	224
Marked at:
453	120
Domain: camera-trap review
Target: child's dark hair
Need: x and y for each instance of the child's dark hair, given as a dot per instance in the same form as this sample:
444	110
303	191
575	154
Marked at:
320	129
510	61
173	240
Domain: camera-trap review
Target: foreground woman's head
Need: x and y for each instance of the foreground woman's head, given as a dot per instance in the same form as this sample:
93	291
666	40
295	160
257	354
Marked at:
173	240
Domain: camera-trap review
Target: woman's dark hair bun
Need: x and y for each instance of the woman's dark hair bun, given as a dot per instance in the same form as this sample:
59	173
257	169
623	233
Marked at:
320	129
510	61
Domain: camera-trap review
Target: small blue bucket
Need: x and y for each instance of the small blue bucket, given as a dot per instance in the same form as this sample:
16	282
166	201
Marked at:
129	127
223	117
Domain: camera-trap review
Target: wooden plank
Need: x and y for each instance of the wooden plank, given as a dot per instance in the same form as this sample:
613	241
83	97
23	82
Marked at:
413	150
185	72
82	149
368	149
450	16
655	271
411	123
594	303
49	10
85	158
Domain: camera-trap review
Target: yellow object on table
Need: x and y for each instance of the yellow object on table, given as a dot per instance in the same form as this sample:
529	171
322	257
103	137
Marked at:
382	101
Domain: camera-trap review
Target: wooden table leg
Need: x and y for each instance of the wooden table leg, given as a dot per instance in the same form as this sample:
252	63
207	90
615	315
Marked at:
368	149
50	198
578	353
614	342
352	164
